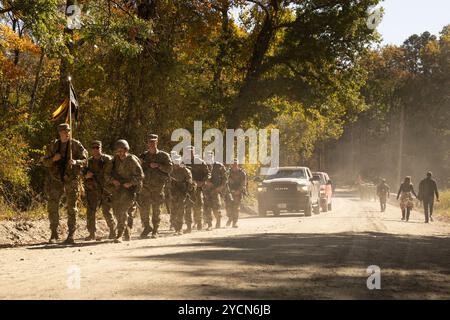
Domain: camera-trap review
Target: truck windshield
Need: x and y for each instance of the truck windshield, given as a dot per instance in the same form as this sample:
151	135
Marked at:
321	178
295	174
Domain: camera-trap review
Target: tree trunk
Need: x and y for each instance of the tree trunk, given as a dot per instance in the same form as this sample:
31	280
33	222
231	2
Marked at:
36	81
240	107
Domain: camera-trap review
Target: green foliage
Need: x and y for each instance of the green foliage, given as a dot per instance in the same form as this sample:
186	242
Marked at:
13	156
443	206
301	66
301	131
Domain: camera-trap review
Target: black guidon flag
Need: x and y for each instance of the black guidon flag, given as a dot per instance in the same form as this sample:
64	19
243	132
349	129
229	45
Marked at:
62	112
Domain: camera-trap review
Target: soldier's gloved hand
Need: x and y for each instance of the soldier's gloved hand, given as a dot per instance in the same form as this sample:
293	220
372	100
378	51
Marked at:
116	183
72	162
56	157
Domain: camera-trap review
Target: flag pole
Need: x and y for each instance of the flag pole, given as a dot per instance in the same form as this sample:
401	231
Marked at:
70	120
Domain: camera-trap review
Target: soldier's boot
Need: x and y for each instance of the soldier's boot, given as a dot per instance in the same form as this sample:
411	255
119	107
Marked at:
69	239
119	235
155	233
209	228
188	228
112	234
218	223
53	237
229	222
199	226
235	224
146	232
126	234
90	237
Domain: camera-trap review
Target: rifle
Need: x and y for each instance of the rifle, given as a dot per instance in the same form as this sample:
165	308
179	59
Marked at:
185	189
188	198
228	195
245	193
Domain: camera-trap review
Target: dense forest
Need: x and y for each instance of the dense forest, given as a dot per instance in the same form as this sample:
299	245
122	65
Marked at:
314	69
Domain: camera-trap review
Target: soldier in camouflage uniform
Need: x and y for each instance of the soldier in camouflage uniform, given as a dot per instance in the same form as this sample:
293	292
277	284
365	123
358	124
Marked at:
180	186
167	194
123	176
168	202
214	187
157	166
65	159
96	194
200	174
237	183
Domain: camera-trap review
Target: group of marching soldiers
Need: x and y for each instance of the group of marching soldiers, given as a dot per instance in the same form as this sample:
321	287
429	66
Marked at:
121	184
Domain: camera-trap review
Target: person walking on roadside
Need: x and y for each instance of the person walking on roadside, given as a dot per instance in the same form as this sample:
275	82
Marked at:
427	190
383	194
405	193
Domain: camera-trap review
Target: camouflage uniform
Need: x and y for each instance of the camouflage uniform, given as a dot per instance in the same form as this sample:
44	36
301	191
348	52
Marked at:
96	194
213	188
180	186
128	170
237	182
64	179
200	174
152	196
168	202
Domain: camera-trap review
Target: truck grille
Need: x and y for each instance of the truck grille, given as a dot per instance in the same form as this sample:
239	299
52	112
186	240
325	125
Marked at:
282	191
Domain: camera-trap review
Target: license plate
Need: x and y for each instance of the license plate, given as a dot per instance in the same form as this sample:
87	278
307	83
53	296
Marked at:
282	206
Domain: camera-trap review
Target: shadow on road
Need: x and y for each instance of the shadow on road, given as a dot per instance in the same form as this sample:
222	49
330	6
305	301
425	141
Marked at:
289	263
78	244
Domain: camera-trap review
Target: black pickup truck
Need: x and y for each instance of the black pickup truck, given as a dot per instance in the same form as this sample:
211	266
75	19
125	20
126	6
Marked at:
290	189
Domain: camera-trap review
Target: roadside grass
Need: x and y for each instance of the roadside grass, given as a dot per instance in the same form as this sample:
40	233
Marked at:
7	212
443	206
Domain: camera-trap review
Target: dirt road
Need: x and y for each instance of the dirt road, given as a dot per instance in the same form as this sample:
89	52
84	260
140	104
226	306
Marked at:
286	257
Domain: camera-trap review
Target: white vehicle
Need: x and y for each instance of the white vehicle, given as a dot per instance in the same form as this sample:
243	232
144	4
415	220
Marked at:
291	189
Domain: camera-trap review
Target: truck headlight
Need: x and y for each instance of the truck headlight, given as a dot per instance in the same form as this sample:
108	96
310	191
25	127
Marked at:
302	188
262	189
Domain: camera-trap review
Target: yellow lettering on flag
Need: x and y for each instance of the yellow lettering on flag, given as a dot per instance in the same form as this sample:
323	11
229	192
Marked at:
62	110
